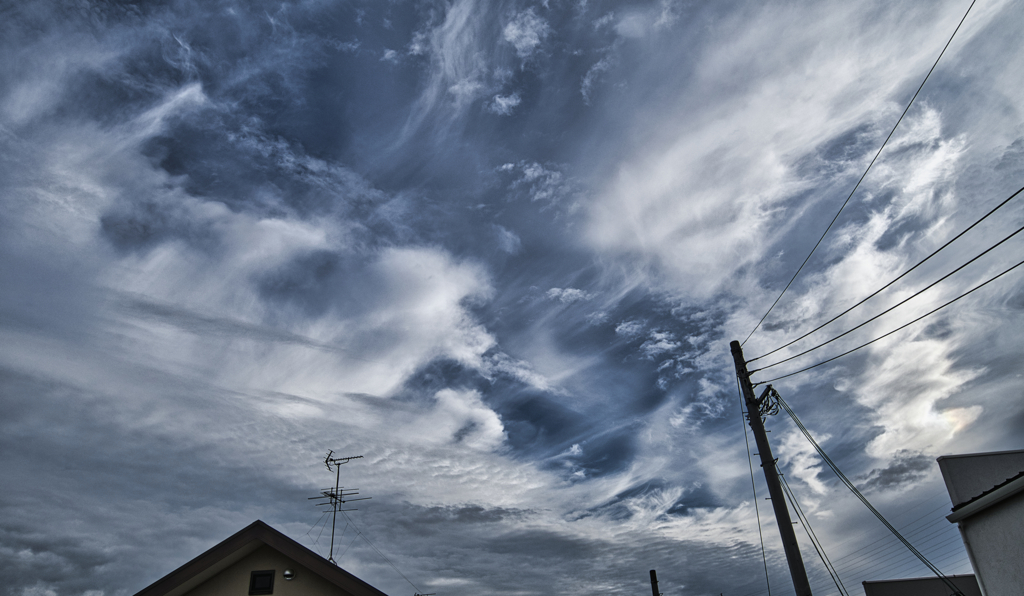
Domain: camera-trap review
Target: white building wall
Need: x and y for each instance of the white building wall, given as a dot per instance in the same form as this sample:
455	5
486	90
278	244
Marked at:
994	536
995	539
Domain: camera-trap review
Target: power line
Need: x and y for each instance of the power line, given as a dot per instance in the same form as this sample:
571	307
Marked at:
905	565
898	304
869	562
901	276
906	527
867	557
874	551
856	186
901	327
818	546
859	495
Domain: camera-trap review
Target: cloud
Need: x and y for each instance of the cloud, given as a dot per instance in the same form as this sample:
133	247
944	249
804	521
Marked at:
231	240
904	468
591	78
39	589
460	417
508	240
638	23
904	395
457	67
526	31
658	342
541	183
803	461
519	370
568	295
740	178
629	329
504	104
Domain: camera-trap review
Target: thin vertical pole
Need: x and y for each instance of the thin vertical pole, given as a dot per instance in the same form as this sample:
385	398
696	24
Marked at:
654	583
771	475
334	500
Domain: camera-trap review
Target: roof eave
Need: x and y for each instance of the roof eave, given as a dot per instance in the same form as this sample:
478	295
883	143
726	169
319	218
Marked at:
985	501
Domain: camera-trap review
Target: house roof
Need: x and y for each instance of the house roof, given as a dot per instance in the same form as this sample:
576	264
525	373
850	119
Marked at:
234	548
989	491
967	584
969	475
986	499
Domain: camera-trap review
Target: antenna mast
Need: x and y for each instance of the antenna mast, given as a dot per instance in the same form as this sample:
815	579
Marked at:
338	496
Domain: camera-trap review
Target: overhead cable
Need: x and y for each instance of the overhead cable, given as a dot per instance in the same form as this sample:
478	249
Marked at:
868	557
901	276
859	495
893	307
934	310
904	567
813	537
850	555
868	169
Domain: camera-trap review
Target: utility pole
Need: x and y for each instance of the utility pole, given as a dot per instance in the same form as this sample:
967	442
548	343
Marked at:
771	474
654	583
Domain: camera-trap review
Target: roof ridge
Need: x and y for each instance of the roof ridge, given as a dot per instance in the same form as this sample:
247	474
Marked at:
258	531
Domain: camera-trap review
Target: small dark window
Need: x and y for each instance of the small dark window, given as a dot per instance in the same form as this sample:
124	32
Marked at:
261	582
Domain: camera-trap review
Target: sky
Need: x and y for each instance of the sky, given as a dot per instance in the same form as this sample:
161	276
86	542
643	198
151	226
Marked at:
499	250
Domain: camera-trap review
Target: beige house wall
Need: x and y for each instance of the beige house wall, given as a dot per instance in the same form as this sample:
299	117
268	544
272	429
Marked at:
234	580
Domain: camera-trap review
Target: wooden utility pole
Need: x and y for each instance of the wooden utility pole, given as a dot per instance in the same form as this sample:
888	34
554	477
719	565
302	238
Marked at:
771	475
654	583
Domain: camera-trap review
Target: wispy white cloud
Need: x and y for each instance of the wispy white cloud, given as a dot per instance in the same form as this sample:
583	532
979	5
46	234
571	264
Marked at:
526	31
457	68
508	241
543	183
568	295
504	104
233	276
736	171
592	76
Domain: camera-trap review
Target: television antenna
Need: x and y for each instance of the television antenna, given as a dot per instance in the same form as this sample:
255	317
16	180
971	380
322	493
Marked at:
338	496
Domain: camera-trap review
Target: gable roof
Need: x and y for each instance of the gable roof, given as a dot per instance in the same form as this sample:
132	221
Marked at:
234	548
